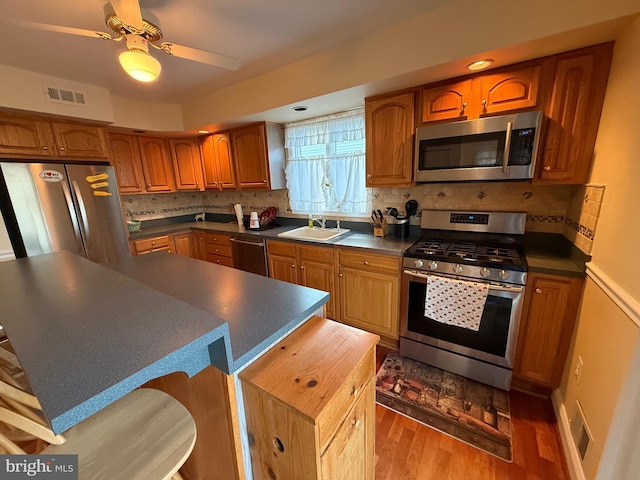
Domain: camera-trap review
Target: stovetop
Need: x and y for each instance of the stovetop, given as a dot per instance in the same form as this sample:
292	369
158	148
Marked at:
494	253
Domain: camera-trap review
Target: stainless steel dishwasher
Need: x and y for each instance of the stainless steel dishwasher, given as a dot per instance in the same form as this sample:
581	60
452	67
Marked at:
249	255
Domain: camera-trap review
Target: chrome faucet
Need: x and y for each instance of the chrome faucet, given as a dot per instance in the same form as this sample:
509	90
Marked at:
322	222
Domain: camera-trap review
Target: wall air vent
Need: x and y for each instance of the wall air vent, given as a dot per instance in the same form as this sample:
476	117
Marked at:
580	432
63	95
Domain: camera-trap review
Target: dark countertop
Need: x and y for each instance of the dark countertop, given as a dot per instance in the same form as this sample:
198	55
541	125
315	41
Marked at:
554	254
389	245
87	335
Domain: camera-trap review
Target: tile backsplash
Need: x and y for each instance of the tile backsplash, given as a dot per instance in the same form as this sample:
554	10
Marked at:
571	210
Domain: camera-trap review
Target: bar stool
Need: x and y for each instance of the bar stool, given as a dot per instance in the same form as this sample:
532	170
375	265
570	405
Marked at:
145	435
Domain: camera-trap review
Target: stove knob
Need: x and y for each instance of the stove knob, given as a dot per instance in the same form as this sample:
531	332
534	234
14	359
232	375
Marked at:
485	272
503	274
458	268
433	265
418	263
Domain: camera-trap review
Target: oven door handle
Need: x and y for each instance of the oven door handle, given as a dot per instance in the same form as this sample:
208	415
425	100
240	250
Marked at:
492	286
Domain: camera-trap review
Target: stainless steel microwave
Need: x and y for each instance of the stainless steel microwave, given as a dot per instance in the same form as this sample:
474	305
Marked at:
492	148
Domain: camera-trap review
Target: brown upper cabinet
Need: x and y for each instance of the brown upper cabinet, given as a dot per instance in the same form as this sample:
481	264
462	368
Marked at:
258	153
38	137
141	164
390	129
187	166
245	157
573	114
217	161
504	90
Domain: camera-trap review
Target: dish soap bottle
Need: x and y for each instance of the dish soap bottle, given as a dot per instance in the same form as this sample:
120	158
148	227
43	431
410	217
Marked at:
310	221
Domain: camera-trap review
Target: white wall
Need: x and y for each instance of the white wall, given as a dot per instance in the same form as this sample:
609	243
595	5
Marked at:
607	334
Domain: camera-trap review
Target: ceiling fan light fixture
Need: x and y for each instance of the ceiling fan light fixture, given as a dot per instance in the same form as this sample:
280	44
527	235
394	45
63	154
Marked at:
140	65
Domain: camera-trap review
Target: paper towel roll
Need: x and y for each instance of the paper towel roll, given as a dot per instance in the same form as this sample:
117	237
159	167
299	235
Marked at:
238	208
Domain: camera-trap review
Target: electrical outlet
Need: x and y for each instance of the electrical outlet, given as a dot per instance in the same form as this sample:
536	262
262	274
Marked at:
578	370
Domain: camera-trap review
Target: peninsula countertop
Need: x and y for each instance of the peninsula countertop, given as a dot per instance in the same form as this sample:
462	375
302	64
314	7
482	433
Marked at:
88	334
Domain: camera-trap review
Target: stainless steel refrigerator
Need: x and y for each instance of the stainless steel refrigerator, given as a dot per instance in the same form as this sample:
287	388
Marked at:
53	207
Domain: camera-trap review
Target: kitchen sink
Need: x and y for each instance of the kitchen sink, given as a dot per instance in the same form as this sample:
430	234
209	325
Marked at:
314	234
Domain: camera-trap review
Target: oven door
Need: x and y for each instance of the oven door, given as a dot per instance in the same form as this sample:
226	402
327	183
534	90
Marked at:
494	342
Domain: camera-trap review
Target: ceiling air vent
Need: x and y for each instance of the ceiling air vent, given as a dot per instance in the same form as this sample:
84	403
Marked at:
62	95
580	431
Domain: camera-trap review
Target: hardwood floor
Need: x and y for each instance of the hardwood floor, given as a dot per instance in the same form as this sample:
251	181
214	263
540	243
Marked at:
407	450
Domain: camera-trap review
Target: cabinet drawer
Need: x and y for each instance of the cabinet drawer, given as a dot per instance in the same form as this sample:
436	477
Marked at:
146	245
218	239
285	249
219	260
220	250
316	254
345	397
367	261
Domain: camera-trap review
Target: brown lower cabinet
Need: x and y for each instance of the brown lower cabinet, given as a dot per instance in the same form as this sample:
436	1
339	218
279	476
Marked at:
310	405
161	243
184	244
307	265
370	292
550	310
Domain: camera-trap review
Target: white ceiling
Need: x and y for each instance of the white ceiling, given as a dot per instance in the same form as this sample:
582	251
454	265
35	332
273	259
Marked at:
263	34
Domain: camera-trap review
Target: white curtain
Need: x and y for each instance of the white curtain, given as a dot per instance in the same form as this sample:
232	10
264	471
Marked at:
329	177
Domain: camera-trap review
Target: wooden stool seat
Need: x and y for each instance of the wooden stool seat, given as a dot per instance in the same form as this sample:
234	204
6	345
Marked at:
145	435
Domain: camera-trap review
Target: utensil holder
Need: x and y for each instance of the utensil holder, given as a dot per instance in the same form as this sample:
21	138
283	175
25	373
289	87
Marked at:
381	229
402	228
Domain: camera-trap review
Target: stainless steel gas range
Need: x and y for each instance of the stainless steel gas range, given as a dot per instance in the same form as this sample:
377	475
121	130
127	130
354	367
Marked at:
462	293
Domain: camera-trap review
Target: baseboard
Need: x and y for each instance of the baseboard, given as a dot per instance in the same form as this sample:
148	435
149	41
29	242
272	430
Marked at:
570	451
6	255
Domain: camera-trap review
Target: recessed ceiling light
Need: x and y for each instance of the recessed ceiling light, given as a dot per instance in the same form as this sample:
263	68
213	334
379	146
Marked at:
300	108
480	64
203	131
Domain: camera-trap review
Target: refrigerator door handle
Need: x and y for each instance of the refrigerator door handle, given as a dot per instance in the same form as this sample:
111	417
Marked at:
73	217
83	215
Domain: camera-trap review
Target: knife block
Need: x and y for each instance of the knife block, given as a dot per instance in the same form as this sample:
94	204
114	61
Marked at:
381	229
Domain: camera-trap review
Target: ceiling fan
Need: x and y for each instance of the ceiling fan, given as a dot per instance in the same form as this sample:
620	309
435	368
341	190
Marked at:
126	23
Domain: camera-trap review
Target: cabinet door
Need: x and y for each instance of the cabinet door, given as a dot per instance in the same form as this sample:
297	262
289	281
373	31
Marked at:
390	129
19	136
550	312
217	161
446	102
321	276
80	141
370	300
283	268
574	114
350	453
183	244
250	154
199	245
186	164
510	90
125	158
156	167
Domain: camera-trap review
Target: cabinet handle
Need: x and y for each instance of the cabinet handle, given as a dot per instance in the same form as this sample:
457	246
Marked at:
44	147
484	105
354	391
139	186
148	185
301	267
464	105
355	422
538	291
293	266
264	181
368	175
340	275
546	168
153	243
366	262
62	149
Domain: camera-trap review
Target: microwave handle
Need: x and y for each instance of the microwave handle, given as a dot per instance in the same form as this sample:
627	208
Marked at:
507	148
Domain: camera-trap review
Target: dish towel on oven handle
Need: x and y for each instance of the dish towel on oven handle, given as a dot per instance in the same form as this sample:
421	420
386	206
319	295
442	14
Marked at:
455	302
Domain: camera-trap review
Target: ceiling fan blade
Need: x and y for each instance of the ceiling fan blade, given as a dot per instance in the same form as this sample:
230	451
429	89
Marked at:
210	58
128	11
60	29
